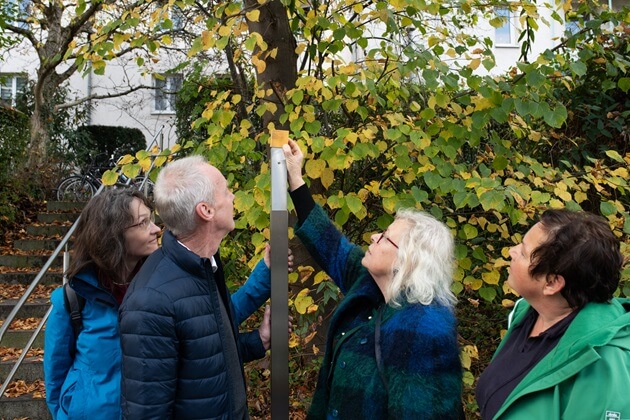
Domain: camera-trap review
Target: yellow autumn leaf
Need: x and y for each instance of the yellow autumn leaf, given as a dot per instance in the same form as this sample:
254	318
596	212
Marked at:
474	283
465	359
352	104
491	277
145	164
562	193
160	161
125	160
474	63
110	177
294	340
314	168
253	15
482	103
507	303
320	277
327	177
500	262
207	40
302	301
260	64
305	272
580	197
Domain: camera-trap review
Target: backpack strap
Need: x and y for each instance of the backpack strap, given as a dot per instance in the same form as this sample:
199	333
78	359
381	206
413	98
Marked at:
74	305
377	347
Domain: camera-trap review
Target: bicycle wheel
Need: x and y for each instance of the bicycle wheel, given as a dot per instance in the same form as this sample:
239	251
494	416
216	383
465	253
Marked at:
75	188
62	185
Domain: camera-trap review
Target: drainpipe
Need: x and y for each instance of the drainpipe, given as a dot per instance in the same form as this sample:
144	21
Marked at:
89	93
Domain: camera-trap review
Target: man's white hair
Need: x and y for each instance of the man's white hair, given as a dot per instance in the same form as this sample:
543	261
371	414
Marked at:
180	186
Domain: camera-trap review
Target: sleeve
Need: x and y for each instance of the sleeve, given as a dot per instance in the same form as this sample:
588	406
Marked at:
251	346
303	202
149	355
59	341
253	294
337	256
425	375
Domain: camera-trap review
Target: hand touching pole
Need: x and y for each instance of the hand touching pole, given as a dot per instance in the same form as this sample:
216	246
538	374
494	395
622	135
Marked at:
279	279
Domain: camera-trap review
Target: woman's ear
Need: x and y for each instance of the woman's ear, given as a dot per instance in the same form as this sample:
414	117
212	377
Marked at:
553	284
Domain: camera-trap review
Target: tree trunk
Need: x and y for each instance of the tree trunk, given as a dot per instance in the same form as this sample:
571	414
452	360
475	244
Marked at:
280	73
39	139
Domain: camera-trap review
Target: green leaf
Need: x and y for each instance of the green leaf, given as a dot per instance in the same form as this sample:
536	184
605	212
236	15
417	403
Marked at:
557	116
613	154
500	162
432	180
624	84
492	200
488	293
468	232
578	68
354	203
607	208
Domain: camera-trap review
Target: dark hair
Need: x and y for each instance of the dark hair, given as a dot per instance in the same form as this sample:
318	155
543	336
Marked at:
582	248
99	240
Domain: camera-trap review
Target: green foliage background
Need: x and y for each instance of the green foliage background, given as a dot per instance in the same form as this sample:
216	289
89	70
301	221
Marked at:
422	121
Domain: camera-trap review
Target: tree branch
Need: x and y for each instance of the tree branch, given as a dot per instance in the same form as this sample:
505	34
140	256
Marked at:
103	96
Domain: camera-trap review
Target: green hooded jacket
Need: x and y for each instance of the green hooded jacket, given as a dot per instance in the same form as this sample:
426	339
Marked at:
587	375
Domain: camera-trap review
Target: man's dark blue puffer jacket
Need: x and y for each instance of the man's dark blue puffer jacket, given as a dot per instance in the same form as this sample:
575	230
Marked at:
173	338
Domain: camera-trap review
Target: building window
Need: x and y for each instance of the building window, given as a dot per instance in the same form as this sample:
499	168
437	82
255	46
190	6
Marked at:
574	23
11	86
507	34
18	11
166	88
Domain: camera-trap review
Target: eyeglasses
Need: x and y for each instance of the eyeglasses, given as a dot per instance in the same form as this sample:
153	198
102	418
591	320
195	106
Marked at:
388	240
145	223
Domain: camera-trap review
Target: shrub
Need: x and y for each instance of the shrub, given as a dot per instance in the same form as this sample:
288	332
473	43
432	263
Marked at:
96	143
13	142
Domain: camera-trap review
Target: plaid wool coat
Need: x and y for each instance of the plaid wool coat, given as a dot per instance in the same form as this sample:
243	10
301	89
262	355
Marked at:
420	355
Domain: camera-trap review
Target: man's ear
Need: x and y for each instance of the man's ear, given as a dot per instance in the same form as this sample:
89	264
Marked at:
204	211
554	284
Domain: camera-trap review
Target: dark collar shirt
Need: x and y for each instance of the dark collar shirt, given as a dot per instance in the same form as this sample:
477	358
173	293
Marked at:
515	360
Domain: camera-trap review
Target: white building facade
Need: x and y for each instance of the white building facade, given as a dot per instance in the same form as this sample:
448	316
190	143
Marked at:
151	108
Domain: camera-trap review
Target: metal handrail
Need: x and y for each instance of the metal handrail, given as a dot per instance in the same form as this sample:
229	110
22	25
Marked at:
38	278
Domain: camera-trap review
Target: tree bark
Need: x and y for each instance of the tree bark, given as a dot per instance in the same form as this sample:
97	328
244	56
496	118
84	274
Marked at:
280	73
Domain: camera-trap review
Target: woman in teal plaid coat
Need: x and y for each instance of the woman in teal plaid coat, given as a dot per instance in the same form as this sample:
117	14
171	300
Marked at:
391	351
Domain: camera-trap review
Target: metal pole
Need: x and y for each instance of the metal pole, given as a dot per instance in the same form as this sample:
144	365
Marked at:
279	279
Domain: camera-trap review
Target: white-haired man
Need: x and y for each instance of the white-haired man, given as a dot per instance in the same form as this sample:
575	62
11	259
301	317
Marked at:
182	352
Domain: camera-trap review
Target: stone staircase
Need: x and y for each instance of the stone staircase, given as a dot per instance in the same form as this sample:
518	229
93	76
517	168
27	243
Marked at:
17	270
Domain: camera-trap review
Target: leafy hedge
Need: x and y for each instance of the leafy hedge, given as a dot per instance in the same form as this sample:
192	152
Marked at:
13	141
96	143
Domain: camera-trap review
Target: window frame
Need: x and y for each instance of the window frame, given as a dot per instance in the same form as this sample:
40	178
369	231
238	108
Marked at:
9	82
166	87
512	24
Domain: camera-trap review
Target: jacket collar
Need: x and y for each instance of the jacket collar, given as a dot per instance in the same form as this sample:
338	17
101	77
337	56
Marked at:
87	286
185	258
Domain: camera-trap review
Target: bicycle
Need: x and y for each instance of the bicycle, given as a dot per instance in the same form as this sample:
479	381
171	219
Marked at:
81	187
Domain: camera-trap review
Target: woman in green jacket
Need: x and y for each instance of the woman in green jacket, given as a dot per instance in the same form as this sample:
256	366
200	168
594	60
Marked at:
566	354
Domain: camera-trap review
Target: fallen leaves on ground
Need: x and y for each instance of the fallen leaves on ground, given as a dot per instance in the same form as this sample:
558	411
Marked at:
16	291
24	324
19	388
11	353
